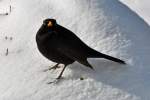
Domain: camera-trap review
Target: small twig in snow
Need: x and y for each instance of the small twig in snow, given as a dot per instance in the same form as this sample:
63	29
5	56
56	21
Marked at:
6	37
3	14
10	8
11	38
7	52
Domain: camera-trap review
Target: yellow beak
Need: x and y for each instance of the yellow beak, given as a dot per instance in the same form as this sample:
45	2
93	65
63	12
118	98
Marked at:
49	24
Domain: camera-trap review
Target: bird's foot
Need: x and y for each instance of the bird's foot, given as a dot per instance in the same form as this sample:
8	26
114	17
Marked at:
59	77
54	67
57	80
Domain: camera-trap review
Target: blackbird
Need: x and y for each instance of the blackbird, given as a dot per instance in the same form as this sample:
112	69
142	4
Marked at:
62	46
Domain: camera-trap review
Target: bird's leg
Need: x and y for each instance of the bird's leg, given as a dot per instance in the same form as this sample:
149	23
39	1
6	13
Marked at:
54	67
60	75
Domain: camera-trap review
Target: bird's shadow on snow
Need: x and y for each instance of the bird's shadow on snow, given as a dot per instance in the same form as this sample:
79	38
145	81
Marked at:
104	70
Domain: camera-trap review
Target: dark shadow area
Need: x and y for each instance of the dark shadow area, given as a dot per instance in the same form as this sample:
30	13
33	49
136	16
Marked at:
133	77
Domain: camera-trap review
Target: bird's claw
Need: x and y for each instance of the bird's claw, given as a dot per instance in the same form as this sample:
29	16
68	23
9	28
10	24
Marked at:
55	81
54	68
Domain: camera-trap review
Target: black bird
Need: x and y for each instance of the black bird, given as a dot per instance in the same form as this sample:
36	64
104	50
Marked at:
62	46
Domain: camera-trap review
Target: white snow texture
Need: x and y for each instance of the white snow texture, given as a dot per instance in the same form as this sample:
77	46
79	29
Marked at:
108	26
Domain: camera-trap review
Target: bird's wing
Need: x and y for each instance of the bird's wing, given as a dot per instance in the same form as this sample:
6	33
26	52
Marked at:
71	51
71	45
70	37
74	53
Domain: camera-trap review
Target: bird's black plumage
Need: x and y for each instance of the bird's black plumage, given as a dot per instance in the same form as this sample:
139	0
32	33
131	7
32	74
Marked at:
60	45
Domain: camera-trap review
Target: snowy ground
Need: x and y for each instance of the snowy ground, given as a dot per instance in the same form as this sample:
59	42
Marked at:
141	7
106	25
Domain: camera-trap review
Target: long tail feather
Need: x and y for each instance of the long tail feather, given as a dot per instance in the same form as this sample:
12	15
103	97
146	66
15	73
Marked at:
113	59
96	54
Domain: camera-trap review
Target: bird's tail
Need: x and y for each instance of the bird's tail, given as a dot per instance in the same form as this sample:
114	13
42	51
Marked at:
96	54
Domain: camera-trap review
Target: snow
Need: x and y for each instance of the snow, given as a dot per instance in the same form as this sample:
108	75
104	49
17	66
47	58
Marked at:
108	26
140	7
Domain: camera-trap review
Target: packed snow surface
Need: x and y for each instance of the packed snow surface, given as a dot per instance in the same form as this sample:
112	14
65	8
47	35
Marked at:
108	26
141	7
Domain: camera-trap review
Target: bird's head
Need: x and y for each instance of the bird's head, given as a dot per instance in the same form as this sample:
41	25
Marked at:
50	23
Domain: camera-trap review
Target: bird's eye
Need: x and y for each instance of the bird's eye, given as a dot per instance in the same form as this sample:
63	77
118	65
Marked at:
49	24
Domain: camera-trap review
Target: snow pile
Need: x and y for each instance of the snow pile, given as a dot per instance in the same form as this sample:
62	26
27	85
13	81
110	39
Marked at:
140	7
106	25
